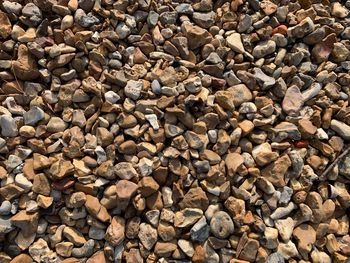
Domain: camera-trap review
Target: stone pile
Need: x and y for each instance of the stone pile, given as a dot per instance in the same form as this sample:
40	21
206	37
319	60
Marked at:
174	131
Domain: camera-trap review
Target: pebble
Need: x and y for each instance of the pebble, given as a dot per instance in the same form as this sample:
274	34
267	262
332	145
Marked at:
264	48
293	101
341	128
8	126
235	43
133	89
33	116
221	225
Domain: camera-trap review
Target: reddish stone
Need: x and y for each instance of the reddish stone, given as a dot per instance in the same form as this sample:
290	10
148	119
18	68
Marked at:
301	144
281	29
63	184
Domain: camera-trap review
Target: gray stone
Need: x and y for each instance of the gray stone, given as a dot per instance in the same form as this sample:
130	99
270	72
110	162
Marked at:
200	231
5	208
85	251
305	27
123	30
87	5
12	7
263	80
5	225
33	116
33	13
221	225
184	9
8	126
133	89
245	23
264	48
341	128
204	20
344	166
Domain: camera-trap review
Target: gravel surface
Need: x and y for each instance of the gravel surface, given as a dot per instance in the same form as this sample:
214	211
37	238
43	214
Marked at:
174	131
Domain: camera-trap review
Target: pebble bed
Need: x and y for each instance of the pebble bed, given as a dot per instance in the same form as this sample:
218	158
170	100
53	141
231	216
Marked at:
174	131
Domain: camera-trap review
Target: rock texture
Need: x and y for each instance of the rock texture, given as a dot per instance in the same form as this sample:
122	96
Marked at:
174	131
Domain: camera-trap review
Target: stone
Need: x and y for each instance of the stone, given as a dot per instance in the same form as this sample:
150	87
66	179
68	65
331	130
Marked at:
125	170
56	125
204	20
5	28
85	251
300	30
133	89
249	250
341	128
263	80
240	94
233	161
27	222
25	66
64	249
195	198
235	43
196	36
287	250
263	154
200	230
292	101
276	171
187	217
147	235
115	232
74	236
221	225
285	228
12	7
97	210
264	48
306	237
8	126
40	251
186	246
339	10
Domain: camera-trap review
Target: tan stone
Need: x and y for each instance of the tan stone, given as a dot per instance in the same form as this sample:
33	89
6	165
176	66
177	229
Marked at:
195	198
233	161
148	186
115	233
306	237
27	222
74	236
41	185
22	258
275	171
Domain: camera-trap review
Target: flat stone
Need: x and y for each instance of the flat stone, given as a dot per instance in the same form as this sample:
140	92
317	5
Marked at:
187	217
133	89
235	43
292	101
